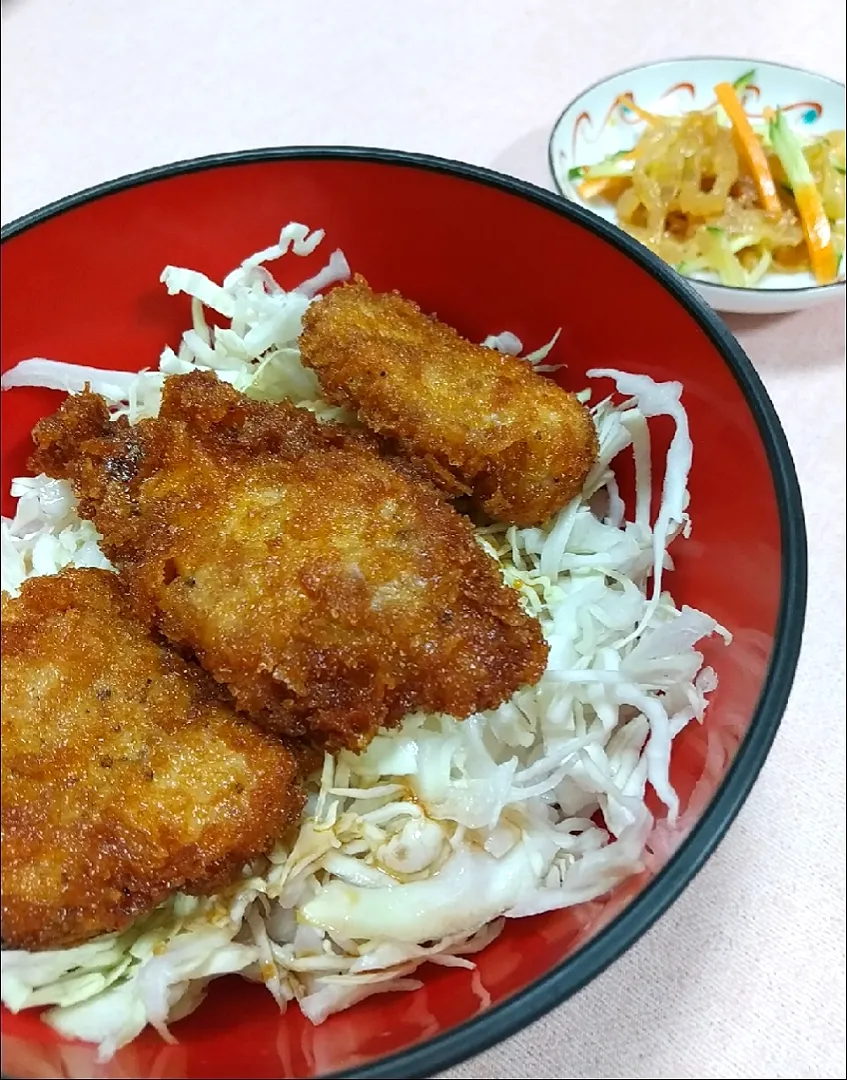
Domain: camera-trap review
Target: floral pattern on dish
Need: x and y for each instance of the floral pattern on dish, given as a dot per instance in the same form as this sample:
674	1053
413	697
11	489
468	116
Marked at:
810	111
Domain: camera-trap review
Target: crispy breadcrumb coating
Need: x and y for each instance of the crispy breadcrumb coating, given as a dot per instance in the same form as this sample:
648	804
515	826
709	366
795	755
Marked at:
125	777
327	588
483	423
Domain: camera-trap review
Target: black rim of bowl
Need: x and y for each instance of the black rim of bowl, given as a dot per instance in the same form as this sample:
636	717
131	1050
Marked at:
569	976
829	288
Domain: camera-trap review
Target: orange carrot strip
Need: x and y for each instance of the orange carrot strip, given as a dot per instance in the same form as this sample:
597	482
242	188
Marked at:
750	146
816	226
590	189
818	233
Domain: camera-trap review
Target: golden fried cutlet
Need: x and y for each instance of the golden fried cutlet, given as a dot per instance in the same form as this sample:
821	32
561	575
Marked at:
125	778
483	423
331	592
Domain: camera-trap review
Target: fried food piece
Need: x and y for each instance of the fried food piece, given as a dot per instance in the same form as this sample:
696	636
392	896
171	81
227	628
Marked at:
328	590
483	423
125	778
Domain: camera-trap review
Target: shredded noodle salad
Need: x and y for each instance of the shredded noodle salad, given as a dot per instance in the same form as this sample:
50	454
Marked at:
715	196
418	848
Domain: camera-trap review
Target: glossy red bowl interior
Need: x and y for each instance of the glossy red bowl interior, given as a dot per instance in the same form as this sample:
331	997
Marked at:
80	282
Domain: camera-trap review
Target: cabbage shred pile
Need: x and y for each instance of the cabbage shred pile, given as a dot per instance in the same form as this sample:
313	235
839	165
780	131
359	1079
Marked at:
418	848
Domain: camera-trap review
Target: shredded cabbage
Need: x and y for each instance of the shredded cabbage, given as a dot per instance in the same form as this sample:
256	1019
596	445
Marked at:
418	848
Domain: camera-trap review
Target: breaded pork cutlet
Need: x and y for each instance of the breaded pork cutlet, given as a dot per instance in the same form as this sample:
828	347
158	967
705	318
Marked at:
125	778
330	592
483	423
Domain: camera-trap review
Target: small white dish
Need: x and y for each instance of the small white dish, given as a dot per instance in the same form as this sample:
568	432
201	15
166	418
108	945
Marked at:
595	125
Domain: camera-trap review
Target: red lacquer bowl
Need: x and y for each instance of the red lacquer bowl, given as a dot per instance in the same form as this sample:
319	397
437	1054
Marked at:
80	283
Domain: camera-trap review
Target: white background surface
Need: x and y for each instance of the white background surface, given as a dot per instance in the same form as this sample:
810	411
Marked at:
745	977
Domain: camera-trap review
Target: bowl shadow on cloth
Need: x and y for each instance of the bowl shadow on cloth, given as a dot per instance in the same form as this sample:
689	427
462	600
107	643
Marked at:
526	158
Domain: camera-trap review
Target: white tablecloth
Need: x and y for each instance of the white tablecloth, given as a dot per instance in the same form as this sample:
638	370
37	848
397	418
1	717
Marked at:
745	977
